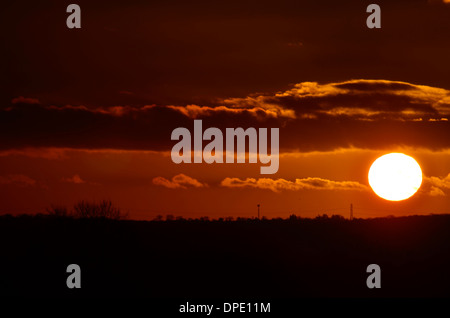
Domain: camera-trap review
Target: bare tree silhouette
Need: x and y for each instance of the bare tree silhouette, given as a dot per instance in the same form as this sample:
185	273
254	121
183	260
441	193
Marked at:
58	211
88	210
104	209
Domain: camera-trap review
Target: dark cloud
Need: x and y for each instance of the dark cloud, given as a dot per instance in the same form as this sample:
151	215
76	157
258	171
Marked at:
385	98
310	116
377	86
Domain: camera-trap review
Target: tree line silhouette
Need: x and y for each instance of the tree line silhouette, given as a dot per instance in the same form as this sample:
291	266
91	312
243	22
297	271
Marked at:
225	257
105	209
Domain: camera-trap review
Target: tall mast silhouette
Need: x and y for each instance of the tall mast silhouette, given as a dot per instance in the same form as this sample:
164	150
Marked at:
258	210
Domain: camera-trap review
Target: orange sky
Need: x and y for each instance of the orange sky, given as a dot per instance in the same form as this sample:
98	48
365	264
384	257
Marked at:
88	114
34	181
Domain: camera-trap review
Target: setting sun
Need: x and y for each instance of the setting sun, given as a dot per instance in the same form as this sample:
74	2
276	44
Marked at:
395	176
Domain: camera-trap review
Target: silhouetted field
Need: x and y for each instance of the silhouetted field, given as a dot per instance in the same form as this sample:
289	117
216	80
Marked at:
248	258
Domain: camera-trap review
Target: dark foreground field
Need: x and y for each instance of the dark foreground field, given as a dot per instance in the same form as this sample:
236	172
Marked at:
269	258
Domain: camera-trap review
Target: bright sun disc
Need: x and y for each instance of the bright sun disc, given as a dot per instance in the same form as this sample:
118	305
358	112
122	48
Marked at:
395	176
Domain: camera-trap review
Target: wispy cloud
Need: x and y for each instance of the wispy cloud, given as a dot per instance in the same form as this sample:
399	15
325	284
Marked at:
74	179
436	186
257	111
180	181
46	153
278	185
20	180
24	100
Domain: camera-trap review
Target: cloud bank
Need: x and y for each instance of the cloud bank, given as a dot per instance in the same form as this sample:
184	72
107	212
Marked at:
366	114
277	185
